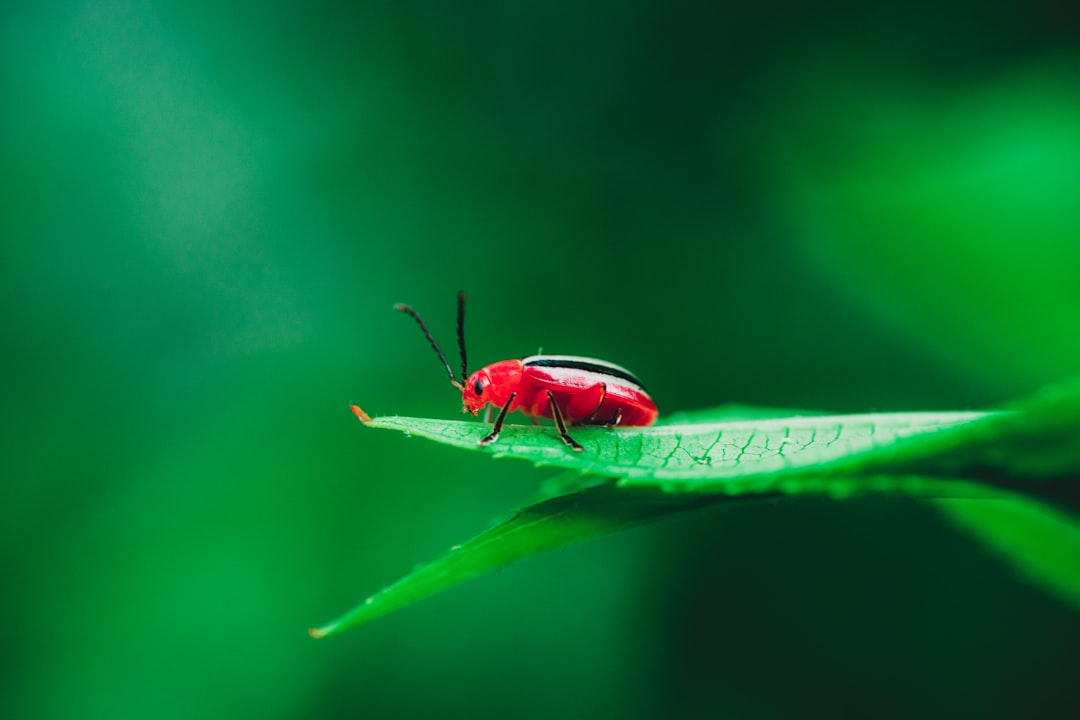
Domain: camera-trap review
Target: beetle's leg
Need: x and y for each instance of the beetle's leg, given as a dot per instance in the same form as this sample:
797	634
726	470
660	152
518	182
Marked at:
494	434
557	415
487	413
610	423
534	420
588	405
590	419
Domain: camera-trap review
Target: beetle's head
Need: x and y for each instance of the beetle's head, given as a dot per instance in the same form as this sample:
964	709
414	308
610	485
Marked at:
492	384
476	393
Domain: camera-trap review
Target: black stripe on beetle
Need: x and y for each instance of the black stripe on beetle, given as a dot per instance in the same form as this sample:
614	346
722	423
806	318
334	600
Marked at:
574	363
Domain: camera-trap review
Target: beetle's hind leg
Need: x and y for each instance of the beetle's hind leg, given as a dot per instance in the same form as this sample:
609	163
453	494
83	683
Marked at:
588	405
561	425
590	419
594	397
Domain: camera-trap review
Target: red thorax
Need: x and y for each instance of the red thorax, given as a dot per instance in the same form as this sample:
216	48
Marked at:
492	384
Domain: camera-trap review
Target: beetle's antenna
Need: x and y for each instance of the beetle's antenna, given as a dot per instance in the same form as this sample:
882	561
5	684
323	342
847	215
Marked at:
401	307
461	334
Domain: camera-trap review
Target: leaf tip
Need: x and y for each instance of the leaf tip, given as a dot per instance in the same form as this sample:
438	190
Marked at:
360	414
318	632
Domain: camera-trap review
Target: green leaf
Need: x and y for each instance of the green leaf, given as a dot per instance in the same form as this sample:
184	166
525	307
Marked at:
969	463
1037	438
549	524
725	457
1042	542
597	509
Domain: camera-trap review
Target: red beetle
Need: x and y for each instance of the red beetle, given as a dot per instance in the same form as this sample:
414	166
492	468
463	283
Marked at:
571	390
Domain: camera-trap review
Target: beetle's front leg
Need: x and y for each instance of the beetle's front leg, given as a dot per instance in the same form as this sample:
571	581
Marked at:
494	434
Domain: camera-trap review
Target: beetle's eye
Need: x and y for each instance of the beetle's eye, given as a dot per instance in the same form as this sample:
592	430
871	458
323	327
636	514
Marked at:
478	387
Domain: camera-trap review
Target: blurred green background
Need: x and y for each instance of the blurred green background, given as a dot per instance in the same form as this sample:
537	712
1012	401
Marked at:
208	210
